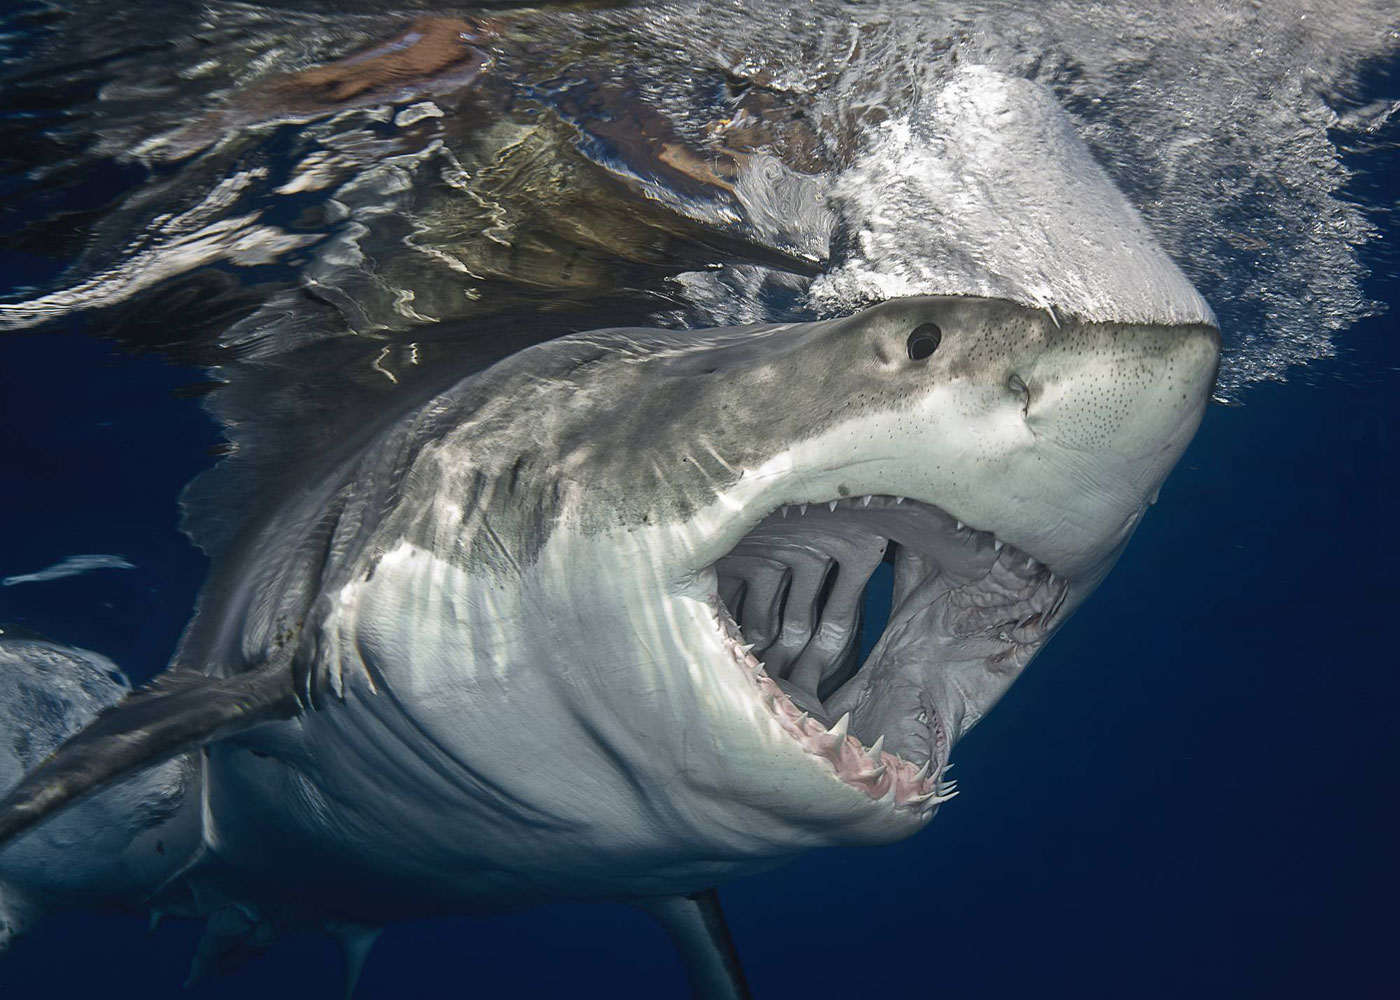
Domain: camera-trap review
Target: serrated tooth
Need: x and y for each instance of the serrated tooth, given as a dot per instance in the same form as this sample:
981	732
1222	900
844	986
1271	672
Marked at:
877	747
842	724
865	500
802	509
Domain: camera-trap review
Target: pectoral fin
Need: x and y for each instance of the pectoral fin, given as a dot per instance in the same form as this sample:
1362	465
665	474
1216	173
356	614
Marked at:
176	713
696	924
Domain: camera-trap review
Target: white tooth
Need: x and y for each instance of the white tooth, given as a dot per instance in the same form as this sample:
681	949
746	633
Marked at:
946	768
935	798
784	510
875	773
922	773
802	509
951	788
865	500
747	648
802	720
842	724
898	499
831	505
1030	562
998	543
960	526
877	747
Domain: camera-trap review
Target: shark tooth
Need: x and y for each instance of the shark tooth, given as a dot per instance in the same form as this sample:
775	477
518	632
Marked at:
802	509
927	797
831	506
922	773
865	500
877	747
839	730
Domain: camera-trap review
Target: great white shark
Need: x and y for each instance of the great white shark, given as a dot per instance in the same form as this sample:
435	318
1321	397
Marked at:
586	625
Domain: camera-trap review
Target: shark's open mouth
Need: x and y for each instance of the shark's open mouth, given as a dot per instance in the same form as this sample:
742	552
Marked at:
802	598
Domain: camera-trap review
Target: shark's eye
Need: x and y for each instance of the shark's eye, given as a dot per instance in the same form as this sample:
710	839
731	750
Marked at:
924	341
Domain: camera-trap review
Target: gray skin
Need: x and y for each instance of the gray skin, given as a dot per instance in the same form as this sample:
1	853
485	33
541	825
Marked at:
494	649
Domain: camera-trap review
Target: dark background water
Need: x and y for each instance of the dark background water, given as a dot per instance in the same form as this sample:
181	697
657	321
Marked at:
1191	793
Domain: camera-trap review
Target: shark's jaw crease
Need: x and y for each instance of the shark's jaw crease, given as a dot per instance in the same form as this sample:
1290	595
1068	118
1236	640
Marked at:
787	603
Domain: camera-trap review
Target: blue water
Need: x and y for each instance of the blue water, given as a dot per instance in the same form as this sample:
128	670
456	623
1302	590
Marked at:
1191	793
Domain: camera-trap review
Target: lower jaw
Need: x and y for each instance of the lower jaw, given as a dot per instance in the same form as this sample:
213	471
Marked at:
909	789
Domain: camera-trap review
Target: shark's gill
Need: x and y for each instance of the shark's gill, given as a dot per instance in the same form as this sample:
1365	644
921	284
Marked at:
795	588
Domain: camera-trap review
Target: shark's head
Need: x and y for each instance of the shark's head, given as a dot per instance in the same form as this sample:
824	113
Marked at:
663	544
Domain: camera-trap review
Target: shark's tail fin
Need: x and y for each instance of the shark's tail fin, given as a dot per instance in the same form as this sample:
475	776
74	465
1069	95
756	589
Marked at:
175	713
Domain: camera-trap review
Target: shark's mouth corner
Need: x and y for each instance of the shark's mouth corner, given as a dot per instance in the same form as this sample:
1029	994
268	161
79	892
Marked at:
876	630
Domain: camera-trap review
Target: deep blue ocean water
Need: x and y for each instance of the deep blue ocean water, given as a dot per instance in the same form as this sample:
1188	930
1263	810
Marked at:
1191	793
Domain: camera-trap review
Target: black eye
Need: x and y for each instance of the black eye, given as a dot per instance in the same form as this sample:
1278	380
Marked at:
924	341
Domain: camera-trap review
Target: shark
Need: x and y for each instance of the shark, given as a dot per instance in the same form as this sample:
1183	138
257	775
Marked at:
598	622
